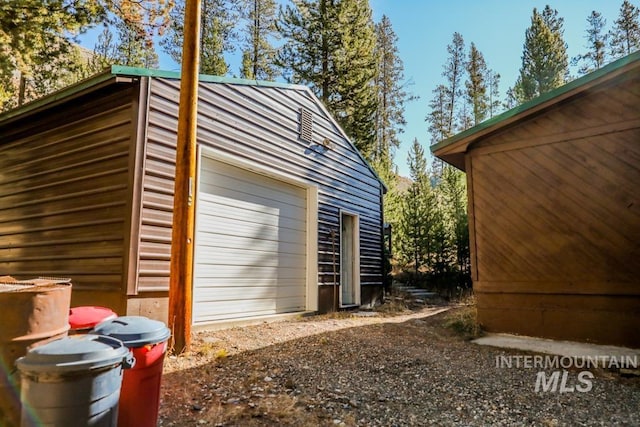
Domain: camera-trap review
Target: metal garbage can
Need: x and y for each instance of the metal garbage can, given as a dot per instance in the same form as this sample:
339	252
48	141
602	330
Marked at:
140	394
84	318
32	312
73	381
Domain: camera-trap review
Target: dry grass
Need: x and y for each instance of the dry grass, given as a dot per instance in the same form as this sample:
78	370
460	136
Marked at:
464	321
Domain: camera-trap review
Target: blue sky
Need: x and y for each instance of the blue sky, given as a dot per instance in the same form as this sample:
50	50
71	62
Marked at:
497	27
425	28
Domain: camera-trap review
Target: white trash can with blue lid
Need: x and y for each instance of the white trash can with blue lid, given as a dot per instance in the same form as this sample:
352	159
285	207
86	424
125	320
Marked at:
73	381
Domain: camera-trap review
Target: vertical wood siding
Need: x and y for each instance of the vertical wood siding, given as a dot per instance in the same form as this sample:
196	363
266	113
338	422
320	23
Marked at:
64	191
260	124
556	220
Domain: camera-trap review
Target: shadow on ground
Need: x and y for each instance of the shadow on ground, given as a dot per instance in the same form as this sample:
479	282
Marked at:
416	372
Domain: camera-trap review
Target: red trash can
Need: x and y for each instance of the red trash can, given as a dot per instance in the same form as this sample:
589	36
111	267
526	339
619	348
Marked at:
83	319
140	393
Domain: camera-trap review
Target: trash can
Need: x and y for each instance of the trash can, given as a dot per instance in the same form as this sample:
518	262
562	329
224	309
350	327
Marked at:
83	319
140	394
73	381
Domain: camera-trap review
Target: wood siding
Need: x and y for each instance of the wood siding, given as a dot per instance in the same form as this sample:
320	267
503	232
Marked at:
64	187
555	219
260	124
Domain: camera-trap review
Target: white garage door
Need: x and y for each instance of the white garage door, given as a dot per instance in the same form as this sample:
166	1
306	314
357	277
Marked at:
250	253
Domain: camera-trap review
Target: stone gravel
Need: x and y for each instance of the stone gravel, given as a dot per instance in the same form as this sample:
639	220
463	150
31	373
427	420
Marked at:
408	369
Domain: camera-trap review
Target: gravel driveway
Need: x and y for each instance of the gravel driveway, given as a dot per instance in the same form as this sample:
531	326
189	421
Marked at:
409	369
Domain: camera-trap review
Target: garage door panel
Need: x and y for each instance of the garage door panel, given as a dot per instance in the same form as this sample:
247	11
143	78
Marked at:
231	293
247	257
223	293
248	272
234	284
226	310
271	225
223	176
212	242
229	310
227	206
250	245
261	196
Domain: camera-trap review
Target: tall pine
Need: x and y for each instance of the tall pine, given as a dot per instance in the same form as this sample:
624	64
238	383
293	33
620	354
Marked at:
417	219
218	35
135	48
596	55
330	46
544	58
446	97
493	83
391	94
454	75
258	54
624	37
477	90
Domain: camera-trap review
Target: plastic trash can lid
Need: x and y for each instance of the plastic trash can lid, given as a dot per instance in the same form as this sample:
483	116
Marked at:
76	353
134	331
86	317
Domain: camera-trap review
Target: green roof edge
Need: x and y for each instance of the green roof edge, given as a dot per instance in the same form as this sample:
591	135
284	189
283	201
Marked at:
122	70
619	63
56	96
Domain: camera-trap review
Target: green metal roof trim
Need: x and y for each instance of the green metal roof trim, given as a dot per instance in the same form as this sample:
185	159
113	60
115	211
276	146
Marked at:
57	96
569	87
120	70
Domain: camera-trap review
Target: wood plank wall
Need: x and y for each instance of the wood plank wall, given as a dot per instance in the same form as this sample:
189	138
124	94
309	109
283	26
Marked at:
64	189
555	210
260	124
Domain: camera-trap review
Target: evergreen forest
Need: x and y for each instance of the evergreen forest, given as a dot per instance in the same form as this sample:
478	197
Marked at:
352	64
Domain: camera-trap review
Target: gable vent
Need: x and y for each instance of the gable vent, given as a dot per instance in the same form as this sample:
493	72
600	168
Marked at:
306	125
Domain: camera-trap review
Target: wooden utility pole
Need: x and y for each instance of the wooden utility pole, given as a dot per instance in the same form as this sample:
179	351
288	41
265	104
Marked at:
181	275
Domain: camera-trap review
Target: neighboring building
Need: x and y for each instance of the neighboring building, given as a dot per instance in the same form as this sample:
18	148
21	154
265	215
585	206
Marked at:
554	210
286	207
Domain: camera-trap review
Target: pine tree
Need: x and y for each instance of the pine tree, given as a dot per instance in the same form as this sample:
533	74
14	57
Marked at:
544	58
329	45
105	51
454	197
493	83
37	40
258	55
476	85
392	203
35	34
438	116
390	92
624	37
134	47
453	73
596	55
218	36
446	97
417	212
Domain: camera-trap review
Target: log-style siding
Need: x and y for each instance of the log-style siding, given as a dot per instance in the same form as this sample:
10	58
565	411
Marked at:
260	124
64	191
555	219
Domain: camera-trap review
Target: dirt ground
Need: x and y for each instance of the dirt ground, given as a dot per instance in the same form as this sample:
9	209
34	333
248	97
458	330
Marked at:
408	368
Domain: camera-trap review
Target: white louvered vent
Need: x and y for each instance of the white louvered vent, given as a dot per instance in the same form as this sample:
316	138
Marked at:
306	125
